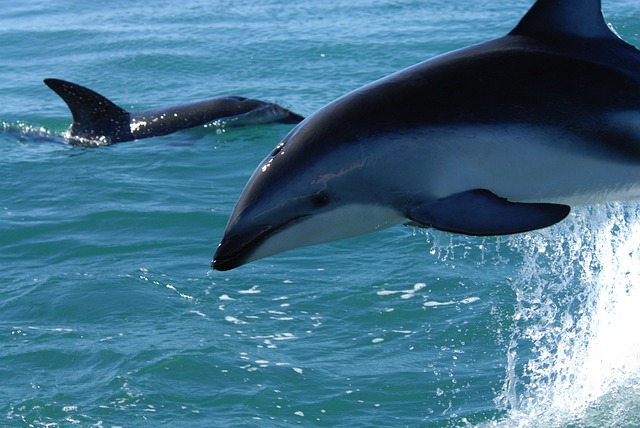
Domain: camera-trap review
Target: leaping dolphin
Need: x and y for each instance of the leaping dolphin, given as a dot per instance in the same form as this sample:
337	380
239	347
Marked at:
497	138
98	121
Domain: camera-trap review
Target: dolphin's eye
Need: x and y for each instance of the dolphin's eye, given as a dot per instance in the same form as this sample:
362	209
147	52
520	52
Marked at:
320	199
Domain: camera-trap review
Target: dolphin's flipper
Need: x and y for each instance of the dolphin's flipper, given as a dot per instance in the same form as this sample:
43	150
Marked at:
482	213
86	106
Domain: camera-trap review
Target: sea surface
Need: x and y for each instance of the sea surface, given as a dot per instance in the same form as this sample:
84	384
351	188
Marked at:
111	317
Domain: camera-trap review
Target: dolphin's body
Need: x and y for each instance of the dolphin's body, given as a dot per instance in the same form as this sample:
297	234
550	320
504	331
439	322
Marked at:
98	121
498	138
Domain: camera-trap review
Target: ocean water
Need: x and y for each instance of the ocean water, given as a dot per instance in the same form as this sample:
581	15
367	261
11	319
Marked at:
111	317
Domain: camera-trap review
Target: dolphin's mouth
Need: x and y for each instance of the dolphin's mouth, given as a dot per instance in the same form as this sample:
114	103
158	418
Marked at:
236	250
233	252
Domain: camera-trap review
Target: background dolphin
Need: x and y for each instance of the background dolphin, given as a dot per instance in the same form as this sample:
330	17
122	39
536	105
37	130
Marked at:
98	121
498	138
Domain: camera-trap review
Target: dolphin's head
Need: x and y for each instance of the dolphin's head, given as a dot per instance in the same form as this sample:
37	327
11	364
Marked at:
306	192
258	112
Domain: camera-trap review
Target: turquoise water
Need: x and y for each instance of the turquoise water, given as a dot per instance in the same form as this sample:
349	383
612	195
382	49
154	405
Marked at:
109	315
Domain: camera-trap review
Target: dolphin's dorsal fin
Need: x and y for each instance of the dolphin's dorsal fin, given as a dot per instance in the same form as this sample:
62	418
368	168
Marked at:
88	108
579	18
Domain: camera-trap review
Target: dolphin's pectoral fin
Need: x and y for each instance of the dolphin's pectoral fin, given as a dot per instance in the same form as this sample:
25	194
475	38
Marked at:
482	213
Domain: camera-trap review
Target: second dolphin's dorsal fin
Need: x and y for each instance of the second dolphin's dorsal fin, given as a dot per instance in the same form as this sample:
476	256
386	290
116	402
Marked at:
91	112
578	18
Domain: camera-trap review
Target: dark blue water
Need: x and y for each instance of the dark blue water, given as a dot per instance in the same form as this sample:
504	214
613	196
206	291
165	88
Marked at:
109	315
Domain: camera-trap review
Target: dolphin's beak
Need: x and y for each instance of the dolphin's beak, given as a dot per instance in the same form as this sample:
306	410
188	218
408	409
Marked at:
224	259
236	248
239	244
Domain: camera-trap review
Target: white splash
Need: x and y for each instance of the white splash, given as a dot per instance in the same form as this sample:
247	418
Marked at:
405	294
135	126
574	356
467	301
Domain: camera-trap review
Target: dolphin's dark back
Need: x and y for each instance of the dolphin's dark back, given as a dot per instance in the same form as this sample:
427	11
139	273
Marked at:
94	116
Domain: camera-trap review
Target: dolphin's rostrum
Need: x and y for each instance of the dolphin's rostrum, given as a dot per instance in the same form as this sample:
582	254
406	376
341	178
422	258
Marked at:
497	138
